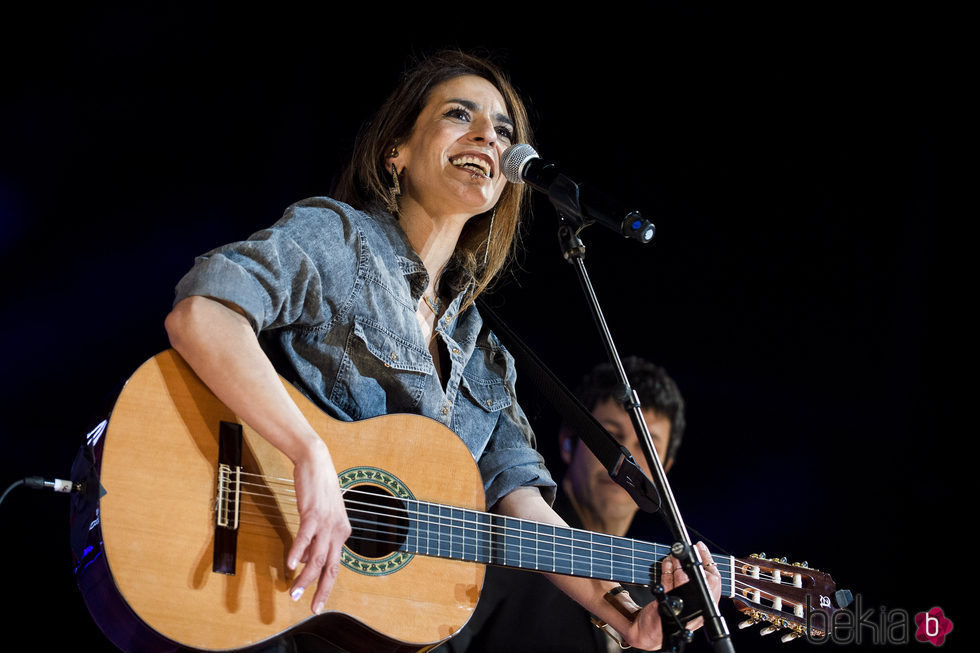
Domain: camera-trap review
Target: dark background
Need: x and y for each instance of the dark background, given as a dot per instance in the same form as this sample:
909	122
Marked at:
788	158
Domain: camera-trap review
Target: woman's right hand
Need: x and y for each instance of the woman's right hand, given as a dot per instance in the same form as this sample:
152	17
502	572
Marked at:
323	525
217	341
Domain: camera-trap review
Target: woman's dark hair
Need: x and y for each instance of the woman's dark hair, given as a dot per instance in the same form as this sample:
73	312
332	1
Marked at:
365	182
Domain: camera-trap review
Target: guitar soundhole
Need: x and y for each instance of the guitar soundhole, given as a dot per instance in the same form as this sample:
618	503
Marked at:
378	521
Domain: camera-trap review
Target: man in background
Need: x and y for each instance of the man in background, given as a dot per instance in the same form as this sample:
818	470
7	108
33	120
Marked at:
522	611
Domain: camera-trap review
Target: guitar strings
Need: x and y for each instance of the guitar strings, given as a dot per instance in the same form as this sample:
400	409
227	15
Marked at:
395	530
575	546
288	488
454	541
741	590
459	524
746	592
571	554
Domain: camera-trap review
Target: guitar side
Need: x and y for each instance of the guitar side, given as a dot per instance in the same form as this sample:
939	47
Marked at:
159	471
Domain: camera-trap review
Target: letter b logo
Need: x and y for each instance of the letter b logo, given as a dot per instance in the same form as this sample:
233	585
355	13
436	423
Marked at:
932	626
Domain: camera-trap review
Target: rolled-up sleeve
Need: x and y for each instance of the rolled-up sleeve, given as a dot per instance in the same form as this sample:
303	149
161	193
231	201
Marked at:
510	459
272	278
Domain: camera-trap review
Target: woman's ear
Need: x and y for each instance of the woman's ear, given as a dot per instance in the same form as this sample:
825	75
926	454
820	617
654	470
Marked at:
395	159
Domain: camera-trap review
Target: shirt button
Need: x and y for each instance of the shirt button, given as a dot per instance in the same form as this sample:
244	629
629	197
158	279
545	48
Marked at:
489	402
445	410
393	356
455	350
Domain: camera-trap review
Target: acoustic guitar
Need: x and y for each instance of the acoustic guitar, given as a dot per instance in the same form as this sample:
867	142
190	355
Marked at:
181	536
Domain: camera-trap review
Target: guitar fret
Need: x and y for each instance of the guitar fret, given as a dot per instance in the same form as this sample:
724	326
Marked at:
631	573
536	539
591	574
726	565
441	535
428	531
426	527
484	538
497	553
602	555
527	530
520	544
580	545
645	572
443	542
439	531
421	522
513	539
546	557
467	548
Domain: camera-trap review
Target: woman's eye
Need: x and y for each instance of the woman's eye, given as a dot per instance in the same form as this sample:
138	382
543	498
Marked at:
462	114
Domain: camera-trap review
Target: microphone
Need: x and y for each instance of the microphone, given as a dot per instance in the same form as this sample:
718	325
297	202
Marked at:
522	165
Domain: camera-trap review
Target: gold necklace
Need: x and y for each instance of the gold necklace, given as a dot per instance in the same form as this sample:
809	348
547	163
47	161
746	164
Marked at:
434	307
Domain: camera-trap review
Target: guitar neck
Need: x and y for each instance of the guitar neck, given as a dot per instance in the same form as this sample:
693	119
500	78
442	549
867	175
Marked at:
459	534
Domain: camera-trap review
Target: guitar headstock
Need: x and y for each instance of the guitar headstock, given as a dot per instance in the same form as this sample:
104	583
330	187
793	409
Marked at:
782	595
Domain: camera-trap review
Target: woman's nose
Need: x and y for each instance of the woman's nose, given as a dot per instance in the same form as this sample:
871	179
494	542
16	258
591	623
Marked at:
483	130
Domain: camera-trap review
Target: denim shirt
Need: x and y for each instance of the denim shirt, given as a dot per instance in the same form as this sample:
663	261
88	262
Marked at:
332	293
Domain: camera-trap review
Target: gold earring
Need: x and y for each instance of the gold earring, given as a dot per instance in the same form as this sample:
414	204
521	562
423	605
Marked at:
394	191
394	152
486	250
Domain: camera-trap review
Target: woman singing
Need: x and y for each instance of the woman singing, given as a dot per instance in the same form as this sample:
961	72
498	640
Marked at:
365	302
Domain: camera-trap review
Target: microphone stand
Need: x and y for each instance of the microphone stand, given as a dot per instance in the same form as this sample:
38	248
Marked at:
671	606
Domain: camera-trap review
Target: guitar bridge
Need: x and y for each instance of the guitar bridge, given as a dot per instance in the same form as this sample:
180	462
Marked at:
229	493
227	506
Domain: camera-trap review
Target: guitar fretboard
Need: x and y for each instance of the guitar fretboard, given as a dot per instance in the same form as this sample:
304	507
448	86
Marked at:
460	534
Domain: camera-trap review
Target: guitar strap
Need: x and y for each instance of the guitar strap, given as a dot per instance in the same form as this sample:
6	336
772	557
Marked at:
614	457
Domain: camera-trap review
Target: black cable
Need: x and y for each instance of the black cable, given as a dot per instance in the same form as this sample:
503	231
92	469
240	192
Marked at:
40	483
7	491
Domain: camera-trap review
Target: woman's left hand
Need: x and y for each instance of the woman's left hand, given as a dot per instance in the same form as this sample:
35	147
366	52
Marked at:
646	631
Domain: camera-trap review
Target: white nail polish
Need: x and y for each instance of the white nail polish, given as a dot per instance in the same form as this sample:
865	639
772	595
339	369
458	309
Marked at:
296	593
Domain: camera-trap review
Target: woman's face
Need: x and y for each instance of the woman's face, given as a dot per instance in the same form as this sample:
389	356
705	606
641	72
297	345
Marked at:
450	165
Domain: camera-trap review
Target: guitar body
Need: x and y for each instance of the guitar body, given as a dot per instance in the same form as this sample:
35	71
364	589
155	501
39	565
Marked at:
181	533
158	472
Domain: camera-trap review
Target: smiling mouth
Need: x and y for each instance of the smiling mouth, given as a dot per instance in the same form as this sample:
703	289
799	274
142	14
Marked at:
473	164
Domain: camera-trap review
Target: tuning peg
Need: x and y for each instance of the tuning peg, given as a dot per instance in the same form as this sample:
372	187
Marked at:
800	564
768	630
748	623
789	637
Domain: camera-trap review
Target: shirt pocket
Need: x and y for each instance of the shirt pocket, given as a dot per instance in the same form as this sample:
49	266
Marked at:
381	373
486	390
486	396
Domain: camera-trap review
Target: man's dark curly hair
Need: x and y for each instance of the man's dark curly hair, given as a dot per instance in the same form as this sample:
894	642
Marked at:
656	390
